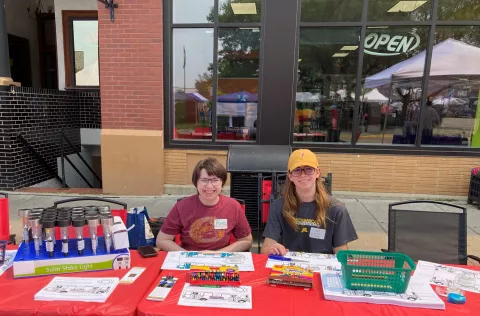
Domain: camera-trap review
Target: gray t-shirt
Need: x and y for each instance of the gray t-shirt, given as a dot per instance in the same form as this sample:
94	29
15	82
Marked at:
310	237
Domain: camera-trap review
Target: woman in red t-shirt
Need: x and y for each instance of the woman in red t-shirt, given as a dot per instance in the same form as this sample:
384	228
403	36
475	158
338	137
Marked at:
207	220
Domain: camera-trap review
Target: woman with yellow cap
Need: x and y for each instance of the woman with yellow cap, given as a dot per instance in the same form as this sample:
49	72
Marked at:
306	218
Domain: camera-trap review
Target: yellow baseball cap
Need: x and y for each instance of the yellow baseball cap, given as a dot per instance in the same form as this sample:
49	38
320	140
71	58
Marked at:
302	157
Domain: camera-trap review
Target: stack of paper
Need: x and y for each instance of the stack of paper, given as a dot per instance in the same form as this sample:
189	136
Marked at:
9	257
237	297
78	289
316	262
419	294
182	260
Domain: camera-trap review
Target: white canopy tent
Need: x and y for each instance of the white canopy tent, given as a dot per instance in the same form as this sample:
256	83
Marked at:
451	60
374	96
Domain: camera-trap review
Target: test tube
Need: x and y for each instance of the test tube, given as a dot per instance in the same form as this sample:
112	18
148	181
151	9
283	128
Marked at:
107	223
49	227
93	223
78	223
36	225
23	213
64	224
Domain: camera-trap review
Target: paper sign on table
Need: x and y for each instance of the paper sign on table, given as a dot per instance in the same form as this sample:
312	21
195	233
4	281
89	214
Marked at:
314	261
78	289
441	275
163	288
132	275
182	260
237	297
419	294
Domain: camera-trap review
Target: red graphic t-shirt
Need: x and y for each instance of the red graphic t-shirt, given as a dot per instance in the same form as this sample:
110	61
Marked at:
195	223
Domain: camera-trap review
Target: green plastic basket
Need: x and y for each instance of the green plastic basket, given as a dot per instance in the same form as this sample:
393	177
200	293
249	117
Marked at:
375	271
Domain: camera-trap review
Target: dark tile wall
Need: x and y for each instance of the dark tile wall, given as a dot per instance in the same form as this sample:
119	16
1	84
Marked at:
39	115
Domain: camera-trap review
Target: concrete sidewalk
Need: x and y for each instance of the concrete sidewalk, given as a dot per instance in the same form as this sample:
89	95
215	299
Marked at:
369	214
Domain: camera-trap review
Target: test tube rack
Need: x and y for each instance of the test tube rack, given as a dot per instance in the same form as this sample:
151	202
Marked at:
38	260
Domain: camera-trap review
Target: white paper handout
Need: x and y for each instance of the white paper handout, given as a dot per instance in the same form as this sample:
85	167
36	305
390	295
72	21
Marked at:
316	261
224	297
442	275
78	289
419	294
182	260
9	257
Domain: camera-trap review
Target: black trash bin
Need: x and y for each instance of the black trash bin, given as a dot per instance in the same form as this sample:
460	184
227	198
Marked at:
256	176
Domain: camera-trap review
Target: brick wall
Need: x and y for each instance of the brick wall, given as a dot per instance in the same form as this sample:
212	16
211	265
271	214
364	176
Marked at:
89	102
38	115
131	59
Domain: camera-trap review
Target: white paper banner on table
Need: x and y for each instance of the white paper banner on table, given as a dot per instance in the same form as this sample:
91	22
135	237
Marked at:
419	294
9	257
78	289
442	275
224	297
316	261
182	260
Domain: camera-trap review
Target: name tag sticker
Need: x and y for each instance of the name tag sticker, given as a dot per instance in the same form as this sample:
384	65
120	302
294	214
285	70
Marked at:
220	224
317	233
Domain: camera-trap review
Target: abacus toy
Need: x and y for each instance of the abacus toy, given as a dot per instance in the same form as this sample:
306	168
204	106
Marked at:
220	276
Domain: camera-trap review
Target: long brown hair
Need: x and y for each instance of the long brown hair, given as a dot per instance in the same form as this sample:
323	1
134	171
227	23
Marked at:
291	202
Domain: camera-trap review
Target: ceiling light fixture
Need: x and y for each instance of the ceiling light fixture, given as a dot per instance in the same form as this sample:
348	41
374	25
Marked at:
244	8
406	6
340	55
349	47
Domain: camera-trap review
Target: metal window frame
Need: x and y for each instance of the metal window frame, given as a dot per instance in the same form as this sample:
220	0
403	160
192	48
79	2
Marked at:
352	147
169	26
71	49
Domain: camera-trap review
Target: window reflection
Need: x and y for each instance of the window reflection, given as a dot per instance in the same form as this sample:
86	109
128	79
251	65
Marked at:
395	10
245	11
331	10
454	82
85	37
237	96
192	80
325	96
393	68
193	11
458	10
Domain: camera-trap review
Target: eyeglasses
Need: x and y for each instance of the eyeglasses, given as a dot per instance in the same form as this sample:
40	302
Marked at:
214	181
298	171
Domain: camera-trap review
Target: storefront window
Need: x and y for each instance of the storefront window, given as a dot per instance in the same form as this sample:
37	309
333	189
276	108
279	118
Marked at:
467	10
452	116
332	10
237	94
393	69
239	11
192	11
395	10
192	83
325	96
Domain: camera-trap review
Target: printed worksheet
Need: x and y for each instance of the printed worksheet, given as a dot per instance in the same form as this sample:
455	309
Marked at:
78	289
441	275
182	260
9	257
315	261
419	294
238	297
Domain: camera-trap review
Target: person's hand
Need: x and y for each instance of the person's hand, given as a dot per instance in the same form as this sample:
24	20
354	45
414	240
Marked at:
277	249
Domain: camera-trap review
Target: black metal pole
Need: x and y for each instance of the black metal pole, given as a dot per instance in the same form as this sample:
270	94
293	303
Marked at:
4	56
62	160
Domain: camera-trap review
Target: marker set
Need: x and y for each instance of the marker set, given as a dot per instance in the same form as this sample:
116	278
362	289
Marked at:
221	276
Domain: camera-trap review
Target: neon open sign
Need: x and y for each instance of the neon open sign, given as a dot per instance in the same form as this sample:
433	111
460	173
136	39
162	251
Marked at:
390	45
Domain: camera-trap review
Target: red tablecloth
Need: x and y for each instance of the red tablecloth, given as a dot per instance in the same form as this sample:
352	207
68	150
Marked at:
276	301
16	295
